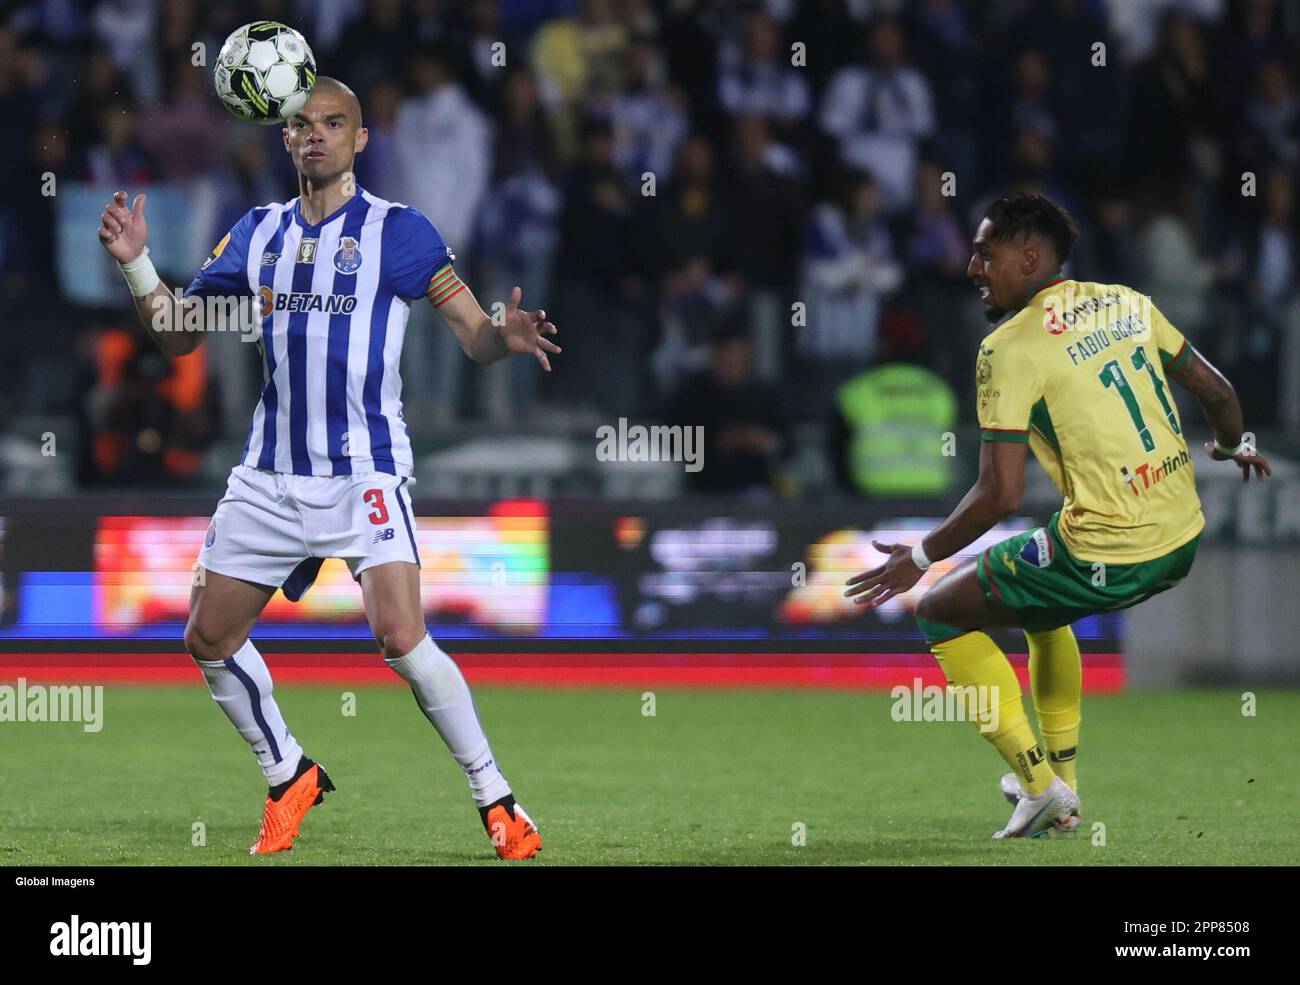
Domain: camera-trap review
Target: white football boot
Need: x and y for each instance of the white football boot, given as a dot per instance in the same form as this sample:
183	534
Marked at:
1011	788
1013	791
1055	809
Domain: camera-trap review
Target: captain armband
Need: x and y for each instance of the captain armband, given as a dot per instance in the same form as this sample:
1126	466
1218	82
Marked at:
443	286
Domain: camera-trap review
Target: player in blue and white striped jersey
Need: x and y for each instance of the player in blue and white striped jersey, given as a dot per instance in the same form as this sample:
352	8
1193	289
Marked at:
327	465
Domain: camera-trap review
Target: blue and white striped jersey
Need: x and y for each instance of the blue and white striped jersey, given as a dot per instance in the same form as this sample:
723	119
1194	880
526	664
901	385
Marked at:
334	311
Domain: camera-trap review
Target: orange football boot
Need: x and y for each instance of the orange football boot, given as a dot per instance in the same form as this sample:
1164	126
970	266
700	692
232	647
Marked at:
281	818
513	837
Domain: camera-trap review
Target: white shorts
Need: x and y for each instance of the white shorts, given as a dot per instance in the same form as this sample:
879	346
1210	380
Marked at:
274	528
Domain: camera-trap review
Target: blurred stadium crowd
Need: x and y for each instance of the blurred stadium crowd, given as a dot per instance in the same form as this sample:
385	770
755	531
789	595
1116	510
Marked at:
735	211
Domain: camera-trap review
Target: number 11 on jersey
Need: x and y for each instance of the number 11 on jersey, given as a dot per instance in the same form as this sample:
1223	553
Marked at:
1112	375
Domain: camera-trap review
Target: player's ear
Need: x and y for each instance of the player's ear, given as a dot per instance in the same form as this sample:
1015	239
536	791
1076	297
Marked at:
1030	262
360	141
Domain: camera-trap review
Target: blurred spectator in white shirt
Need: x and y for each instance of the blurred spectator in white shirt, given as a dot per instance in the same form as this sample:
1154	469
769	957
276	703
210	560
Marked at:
1136	23
443	157
763	82
648	119
880	113
1176	277
849	269
443	151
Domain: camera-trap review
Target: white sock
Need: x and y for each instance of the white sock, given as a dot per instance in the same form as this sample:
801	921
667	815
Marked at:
442	694
241	685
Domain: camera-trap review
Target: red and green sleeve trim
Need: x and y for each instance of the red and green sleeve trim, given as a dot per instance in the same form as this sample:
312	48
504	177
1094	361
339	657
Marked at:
1178	361
443	286
1018	435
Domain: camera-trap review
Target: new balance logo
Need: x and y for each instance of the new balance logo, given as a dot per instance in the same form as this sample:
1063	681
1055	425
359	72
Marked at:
385	534
1063	756
1035	755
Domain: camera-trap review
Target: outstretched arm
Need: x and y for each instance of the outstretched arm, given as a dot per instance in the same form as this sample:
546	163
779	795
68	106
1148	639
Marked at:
994	497
484	341
123	233
1219	403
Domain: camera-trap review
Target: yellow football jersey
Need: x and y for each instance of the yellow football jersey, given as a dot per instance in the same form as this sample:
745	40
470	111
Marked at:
1079	373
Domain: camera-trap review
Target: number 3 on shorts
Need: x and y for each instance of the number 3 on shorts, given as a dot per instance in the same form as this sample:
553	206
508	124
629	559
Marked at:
375	497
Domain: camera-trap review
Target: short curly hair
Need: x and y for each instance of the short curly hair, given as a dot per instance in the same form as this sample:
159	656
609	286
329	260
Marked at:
1033	214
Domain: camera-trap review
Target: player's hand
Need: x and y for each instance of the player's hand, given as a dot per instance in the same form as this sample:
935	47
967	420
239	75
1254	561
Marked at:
122	231
526	331
1245	462
880	584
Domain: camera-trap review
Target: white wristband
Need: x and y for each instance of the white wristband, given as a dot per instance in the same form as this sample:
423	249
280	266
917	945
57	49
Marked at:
1231	452
140	274
918	557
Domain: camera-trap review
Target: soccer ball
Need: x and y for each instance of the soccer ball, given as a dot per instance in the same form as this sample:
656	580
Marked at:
265	72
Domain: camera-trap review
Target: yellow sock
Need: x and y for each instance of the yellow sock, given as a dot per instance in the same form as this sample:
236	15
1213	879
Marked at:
1056	681
973	660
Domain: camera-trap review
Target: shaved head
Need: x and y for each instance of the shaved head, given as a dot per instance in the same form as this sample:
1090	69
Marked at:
326	135
326	84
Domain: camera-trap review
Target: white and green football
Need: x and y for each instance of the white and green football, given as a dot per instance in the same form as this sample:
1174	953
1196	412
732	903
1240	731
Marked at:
265	72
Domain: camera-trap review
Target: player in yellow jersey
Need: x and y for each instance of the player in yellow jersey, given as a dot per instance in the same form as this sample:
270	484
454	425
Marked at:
1079	374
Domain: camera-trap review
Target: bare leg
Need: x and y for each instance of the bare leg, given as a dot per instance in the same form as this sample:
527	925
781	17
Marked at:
957	599
223	612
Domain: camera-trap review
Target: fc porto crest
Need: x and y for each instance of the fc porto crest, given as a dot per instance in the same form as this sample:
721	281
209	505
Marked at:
1038	549
211	537
347	260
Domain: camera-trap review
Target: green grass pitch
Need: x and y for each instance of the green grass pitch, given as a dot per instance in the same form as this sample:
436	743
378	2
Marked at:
714	777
